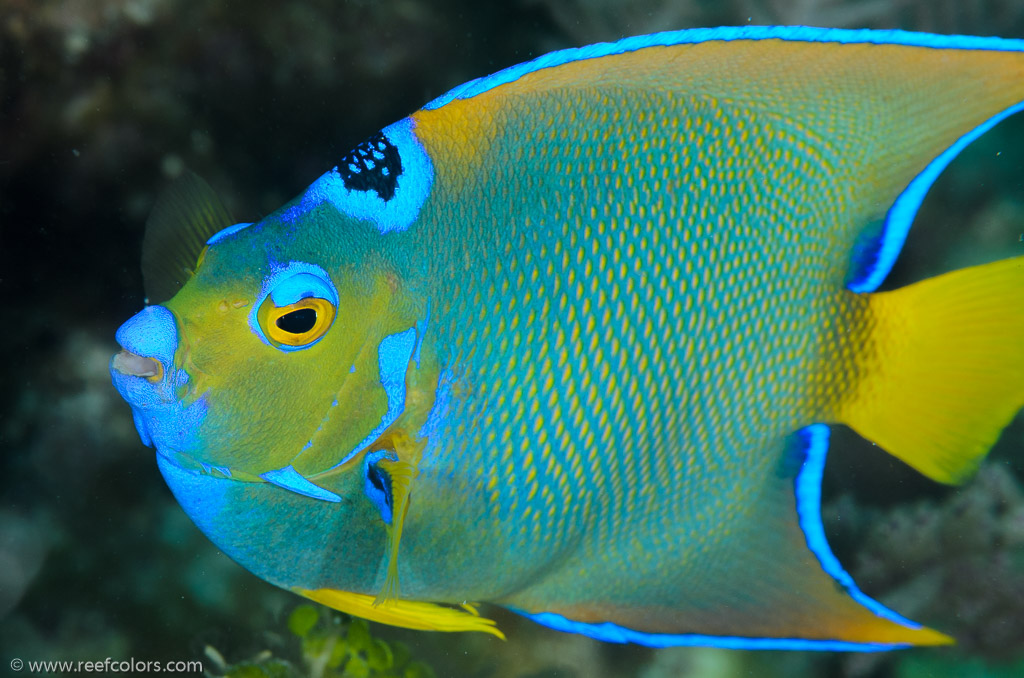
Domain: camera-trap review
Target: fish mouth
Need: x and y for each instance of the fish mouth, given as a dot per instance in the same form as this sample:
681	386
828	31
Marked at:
132	365
129	364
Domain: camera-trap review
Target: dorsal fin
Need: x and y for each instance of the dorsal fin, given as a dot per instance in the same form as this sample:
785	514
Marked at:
186	214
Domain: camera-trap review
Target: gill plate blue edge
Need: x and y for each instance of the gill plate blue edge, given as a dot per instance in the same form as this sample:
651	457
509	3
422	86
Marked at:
290	479
812	443
393	356
439	410
398	213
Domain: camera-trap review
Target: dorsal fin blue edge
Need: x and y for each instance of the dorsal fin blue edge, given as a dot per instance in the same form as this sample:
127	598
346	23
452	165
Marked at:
872	269
472	88
888	244
812	445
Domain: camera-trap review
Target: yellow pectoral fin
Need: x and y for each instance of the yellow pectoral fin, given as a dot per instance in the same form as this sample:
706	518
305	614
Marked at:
401	471
407	614
402	474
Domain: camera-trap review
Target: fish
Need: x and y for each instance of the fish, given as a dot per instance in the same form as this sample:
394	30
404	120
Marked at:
569	340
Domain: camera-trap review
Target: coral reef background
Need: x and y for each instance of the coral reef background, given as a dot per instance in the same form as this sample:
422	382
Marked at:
102	101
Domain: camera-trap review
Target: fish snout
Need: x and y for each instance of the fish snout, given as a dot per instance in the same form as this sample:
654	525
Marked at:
149	339
143	371
145	376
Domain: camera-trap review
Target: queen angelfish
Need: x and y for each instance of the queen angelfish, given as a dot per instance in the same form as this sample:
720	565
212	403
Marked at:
569	339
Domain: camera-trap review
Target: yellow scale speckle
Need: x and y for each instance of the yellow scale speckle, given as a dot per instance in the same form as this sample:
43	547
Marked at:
620	321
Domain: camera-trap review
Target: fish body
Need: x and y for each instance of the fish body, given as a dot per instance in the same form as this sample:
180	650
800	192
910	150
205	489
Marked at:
568	340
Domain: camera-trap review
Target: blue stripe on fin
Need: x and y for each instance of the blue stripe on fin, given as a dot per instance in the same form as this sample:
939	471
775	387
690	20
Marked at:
726	33
613	633
814	440
883	251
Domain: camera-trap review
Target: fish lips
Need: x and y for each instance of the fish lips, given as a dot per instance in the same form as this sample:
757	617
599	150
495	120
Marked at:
164	422
145	376
131	365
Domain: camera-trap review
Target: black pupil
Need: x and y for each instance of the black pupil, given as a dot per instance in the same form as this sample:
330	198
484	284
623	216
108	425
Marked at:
298	322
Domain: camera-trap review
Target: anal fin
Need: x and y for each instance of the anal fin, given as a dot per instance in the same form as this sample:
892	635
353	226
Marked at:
764	580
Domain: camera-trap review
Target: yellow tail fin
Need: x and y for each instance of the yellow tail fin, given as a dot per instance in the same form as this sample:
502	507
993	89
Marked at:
943	369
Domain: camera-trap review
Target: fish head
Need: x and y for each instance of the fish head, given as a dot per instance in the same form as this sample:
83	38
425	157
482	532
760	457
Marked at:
281	351
277	353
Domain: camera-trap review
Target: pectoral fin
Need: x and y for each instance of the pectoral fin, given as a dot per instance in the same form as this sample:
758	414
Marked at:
401	472
185	216
389	468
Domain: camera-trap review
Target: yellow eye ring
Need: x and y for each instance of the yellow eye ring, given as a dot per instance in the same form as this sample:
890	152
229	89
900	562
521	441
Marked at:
296	325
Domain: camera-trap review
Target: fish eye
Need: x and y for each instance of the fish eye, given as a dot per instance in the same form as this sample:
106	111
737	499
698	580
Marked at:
297	310
299	321
296	325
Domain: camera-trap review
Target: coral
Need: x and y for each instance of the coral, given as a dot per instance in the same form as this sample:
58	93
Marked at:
955	563
332	645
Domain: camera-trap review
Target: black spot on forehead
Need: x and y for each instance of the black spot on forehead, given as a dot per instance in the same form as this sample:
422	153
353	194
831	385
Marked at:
373	165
